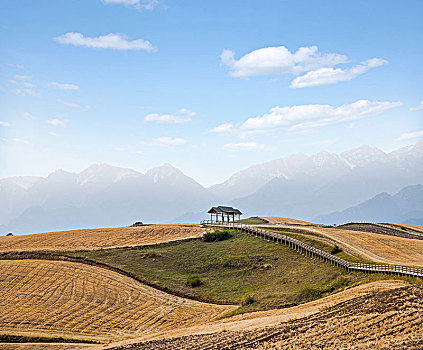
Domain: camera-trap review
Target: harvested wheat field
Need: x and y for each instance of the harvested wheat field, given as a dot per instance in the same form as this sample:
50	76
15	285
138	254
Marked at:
375	247
270	318
390	319
44	346
77	301
92	239
288	221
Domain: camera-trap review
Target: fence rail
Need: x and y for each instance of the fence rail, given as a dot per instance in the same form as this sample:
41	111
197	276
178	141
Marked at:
314	252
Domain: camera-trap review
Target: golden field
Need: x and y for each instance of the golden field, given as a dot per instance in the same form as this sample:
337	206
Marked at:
57	298
91	239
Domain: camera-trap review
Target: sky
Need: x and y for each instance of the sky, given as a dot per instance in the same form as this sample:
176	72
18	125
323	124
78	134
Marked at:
210	87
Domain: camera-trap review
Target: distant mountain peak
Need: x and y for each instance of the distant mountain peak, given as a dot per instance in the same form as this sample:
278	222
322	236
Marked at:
164	172
108	173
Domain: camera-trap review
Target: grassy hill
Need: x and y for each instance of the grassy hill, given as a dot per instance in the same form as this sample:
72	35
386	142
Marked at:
243	270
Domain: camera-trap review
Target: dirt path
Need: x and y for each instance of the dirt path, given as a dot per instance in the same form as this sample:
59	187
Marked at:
262	319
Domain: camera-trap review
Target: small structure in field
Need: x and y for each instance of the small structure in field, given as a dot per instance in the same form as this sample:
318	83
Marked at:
224	214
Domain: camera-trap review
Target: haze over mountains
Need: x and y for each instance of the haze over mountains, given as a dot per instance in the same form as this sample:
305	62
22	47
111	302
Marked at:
299	186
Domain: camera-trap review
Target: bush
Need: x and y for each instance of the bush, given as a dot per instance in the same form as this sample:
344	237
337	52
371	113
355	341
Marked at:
10	234
138	223
249	300
335	250
216	236
193	281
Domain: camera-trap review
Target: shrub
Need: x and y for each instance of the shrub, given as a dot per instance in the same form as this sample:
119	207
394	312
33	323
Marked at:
10	234
137	223
335	250
249	300
193	281
216	236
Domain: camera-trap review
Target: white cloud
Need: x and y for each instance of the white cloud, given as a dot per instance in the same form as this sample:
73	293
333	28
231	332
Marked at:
109	41
418	107
187	112
28	116
183	116
2	88
26	92
164	141
410	135
57	122
21	77
18	140
244	146
306	117
68	104
53	133
120	149
318	67
19	66
225	128
327	76
29	85
5	124
279	60
60	86
138	4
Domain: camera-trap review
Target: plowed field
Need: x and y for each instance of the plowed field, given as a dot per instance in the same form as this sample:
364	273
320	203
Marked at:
391	319
57	298
91	239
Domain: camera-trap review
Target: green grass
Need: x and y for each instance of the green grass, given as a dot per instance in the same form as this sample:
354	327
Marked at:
232	270
254	220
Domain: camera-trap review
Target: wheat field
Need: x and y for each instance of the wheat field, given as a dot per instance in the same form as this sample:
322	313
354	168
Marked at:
379	248
58	298
91	239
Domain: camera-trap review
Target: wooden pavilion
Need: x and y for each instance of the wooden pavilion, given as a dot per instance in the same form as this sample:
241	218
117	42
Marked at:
224	214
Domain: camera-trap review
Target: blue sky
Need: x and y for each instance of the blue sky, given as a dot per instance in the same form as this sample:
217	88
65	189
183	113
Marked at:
208	86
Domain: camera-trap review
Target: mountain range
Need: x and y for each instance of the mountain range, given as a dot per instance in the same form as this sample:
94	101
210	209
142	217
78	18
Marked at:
299	186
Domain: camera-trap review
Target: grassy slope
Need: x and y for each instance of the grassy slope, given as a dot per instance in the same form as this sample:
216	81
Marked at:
254	220
232	270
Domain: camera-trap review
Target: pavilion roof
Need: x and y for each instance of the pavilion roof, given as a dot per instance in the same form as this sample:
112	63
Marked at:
225	210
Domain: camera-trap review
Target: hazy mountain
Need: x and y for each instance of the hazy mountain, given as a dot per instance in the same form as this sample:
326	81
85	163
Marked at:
328	182
298	186
102	195
406	206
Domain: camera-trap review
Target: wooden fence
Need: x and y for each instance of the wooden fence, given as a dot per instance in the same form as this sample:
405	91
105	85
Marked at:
314	252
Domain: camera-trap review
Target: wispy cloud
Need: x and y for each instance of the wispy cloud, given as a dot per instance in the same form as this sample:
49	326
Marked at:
57	122
26	92
138	4
61	86
18	140
109	41
317	66
68	104
244	146
293	118
28	116
19	66
164	141
328	76
418	107
183	116
5	123
410	135
21	77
